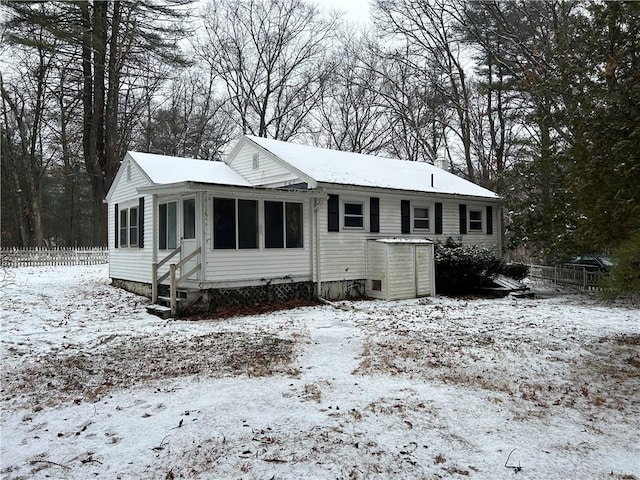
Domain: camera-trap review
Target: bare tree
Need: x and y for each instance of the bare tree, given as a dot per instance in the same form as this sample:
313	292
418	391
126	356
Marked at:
111	43
429	30
351	115
189	119
271	57
25	100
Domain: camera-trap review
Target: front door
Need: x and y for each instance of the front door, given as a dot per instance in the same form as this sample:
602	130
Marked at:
188	238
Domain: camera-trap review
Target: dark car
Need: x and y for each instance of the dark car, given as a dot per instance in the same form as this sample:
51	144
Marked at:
591	263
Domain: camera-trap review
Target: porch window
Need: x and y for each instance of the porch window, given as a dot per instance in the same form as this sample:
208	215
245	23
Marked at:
475	220
235	223
294	225
279	233
273	225
247	224
189	220
420	218
167	231
353	215
224	223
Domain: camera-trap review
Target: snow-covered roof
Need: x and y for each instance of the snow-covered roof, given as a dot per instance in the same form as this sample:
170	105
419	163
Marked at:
412	241
163	169
347	168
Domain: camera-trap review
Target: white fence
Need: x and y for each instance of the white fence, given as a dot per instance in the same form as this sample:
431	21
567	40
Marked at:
37	256
579	277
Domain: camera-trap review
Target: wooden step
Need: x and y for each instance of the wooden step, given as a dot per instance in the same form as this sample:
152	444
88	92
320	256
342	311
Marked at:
161	311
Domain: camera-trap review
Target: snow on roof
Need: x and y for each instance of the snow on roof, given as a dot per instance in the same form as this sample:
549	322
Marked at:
411	241
163	169
347	168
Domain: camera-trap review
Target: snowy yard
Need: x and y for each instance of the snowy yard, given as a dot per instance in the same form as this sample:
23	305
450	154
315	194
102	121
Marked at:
94	387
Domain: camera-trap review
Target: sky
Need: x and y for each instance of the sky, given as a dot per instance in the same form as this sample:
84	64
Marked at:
356	11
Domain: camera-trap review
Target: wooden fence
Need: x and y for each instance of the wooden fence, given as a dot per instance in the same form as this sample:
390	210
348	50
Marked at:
579	277
37	257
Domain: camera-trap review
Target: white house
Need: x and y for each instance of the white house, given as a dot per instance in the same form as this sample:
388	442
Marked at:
280	218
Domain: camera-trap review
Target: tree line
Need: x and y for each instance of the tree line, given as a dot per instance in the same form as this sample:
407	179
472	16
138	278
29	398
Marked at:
538	101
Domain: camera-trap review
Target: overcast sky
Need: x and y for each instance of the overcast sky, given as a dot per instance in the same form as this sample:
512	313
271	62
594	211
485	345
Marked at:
356	10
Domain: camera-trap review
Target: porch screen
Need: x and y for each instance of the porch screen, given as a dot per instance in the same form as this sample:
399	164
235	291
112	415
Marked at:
224	223
167	238
247	224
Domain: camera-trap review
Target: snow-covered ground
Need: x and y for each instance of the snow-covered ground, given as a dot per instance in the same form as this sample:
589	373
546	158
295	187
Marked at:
94	387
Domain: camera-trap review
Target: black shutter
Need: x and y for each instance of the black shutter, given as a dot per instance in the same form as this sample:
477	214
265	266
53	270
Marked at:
405	213
117	230
141	222
438	218
374	214
333	220
463	219
489	220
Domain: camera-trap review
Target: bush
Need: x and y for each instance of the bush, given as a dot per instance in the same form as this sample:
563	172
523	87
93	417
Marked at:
462	269
624	278
517	271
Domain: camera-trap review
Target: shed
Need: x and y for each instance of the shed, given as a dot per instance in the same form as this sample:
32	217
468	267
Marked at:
399	268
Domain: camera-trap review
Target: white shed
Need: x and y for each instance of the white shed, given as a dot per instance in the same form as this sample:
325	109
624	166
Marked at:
399	268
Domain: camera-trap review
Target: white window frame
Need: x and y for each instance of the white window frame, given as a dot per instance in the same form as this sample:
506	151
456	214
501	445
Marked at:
362	216
471	221
429	209
125	228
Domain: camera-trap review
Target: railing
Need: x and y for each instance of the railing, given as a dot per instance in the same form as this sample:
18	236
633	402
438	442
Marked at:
580	277
53	256
174	280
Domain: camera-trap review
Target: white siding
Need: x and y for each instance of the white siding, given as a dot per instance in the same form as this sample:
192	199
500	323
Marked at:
425	271
344	253
402	280
376	269
269	171
130	263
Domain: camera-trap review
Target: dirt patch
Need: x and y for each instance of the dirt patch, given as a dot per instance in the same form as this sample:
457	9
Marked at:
88	374
445	344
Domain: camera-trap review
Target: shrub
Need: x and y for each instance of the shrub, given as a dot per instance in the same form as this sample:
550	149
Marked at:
624	278
462	269
517	271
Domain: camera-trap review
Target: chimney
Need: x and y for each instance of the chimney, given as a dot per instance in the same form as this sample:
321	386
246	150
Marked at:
442	162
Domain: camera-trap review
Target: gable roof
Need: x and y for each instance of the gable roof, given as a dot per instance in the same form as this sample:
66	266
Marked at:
347	168
163	170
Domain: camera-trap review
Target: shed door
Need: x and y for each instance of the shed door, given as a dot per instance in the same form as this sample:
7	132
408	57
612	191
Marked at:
188	238
423	271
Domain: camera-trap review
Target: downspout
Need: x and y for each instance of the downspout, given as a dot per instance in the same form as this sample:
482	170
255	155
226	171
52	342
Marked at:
316	208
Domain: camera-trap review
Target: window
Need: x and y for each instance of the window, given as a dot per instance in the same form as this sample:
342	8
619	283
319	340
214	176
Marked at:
224	223
247	224
376	285
235	223
475	220
133	227
189	218
353	215
420	218
293	213
167	231
128	226
255	161
279	233
124	222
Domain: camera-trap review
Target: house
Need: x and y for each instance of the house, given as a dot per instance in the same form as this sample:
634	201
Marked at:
279	218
